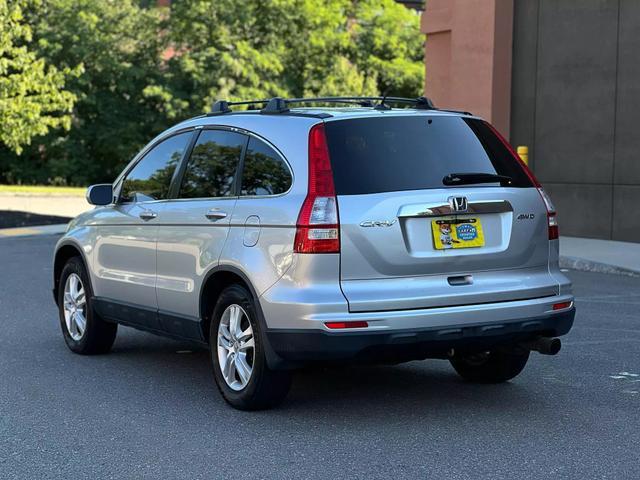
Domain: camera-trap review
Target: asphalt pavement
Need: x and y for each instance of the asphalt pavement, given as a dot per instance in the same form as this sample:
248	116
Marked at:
150	409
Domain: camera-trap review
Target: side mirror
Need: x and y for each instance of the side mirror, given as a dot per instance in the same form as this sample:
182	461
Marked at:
101	194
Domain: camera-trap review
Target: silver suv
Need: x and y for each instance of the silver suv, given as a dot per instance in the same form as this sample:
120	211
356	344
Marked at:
289	235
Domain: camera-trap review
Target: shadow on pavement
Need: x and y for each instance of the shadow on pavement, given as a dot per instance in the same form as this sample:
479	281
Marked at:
366	392
12	219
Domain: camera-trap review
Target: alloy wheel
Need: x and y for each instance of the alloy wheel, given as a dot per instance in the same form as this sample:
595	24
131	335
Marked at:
75	307
236	347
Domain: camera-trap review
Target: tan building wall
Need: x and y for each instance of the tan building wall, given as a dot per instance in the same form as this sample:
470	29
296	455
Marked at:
468	57
571	96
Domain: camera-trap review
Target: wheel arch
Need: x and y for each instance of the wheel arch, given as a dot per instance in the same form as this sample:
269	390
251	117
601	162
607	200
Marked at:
64	252
215	281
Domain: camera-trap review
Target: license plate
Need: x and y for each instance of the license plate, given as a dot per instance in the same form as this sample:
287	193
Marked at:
457	233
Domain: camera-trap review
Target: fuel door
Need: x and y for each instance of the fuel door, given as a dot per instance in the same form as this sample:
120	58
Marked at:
251	231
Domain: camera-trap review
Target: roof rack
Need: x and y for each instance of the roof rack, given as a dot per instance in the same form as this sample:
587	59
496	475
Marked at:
277	105
222	106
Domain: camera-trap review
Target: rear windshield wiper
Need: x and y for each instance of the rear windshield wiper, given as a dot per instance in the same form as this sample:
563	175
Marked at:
470	178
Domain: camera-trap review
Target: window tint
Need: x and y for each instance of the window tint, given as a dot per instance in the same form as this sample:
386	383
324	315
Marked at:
151	177
212	166
372	155
264	172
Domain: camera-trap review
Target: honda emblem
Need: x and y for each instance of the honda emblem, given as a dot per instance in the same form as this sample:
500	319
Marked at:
458	204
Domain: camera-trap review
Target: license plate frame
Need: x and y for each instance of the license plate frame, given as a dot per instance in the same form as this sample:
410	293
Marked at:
450	233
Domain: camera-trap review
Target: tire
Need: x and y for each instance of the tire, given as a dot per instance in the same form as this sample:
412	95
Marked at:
97	336
496	366
262	388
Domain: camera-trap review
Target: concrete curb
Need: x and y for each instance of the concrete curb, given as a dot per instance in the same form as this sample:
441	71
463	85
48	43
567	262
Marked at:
62	205
585	265
32	231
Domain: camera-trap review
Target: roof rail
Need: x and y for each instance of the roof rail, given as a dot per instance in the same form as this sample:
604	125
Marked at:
277	105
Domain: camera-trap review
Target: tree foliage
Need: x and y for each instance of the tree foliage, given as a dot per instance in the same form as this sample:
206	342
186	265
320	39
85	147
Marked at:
32	95
236	50
119	45
145	68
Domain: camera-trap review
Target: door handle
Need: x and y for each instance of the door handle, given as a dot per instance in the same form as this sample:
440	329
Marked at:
215	214
460	280
148	215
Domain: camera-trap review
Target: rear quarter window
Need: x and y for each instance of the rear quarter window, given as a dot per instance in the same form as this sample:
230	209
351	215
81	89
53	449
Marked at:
374	155
264	172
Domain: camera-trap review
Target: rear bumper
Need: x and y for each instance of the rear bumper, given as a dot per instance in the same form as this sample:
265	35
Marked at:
310	345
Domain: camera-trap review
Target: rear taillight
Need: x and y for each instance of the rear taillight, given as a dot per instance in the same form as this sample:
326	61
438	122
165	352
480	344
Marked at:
318	226
552	218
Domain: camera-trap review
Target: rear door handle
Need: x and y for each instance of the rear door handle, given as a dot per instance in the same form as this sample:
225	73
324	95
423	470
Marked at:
215	214
460	280
148	215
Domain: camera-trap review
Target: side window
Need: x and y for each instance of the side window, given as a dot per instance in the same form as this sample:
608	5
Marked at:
151	177
211	169
264	173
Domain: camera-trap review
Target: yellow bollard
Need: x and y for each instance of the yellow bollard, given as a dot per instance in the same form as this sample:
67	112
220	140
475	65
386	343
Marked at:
523	153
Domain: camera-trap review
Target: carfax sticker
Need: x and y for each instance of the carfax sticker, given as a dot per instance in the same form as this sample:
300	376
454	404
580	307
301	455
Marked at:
457	233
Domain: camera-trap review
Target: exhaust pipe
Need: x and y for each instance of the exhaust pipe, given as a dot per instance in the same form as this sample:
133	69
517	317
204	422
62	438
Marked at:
544	345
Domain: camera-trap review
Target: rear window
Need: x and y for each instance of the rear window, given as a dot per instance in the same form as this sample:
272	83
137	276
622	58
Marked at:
373	155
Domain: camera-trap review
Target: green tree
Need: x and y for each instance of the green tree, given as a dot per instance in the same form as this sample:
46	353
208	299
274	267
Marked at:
146	68
119	45
321	50
239	50
227	49
388	44
33	99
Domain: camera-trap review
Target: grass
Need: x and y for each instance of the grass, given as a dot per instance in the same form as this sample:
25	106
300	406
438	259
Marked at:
42	190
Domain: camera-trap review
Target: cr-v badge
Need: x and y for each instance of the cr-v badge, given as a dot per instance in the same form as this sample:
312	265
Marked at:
378	223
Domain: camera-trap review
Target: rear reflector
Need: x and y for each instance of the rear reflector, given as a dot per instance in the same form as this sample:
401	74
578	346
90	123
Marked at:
561	305
338	325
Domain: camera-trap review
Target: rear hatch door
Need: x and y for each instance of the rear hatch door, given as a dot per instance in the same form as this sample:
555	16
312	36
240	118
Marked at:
408	240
